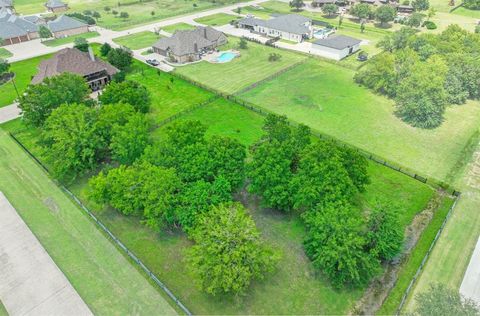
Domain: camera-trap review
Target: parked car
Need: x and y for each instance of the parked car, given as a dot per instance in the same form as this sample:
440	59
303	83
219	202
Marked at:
152	62
362	56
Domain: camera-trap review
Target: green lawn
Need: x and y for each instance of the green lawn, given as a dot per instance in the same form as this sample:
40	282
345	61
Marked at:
103	277
3	311
69	39
250	67
178	27
4	53
325	97
138	40
217	19
24	71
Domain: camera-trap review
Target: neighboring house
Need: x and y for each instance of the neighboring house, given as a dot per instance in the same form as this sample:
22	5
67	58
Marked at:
36	20
321	3
336	47
64	26
15	29
405	9
291	27
6	4
190	45
97	73
56	6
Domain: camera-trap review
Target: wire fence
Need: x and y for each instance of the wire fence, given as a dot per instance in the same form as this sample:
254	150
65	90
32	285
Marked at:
117	242
427	255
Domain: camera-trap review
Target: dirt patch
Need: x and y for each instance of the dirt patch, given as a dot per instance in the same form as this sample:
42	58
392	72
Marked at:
52	205
380	287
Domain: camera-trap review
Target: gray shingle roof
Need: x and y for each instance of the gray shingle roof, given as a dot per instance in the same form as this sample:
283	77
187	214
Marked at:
13	26
6	3
63	23
324	1
252	22
292	23
54	4
189	41
338	42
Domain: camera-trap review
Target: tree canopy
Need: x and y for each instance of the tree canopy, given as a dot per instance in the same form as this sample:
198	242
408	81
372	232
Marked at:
120	58
130	92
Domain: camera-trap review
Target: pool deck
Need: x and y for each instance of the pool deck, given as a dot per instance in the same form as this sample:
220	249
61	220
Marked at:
213	57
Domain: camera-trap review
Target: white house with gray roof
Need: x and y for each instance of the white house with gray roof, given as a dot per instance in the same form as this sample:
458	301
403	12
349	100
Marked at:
291	27
336	47
15	29
64	26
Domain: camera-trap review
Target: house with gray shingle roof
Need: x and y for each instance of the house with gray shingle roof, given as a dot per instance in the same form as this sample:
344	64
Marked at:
64	26
336	47
187	46
6	4
291	27
15	29
56	6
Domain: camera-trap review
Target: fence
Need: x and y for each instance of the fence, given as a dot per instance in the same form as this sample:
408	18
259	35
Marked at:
427	255
108	232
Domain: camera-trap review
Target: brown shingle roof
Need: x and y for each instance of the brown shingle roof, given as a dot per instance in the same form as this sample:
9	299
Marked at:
73	61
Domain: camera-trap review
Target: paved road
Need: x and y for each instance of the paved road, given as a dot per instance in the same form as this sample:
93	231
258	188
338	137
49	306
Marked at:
9	112
31	283
470	287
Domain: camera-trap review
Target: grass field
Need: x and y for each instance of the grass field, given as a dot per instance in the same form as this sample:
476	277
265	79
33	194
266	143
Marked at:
138	40
69	39
325	97
24	71
4	53
3	311
177	27
217	19
250	67
103	277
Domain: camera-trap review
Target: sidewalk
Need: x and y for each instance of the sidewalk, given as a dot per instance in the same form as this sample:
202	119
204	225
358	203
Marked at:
9	112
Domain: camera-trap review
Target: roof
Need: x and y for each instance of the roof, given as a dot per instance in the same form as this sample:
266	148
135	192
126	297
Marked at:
12	25
73	61
292	23
64	23
6	3
34	19
338	42
324	1
55	4
189	41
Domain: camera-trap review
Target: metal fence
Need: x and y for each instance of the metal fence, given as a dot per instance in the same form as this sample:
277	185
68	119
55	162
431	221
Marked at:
117	242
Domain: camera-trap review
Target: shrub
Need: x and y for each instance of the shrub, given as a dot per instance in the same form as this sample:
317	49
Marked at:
430	25
84	18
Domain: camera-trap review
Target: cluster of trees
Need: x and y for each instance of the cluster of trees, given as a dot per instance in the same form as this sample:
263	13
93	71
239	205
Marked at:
77	134
82	17
441	300
424	73
472	4
321	180
187	180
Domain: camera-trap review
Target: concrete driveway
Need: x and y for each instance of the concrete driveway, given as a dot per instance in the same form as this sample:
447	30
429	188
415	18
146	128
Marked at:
470	287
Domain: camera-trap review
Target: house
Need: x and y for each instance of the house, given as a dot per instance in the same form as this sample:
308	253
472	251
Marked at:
336	47
321	3
97	73
56	6
291	27
64	26
405	8
15	29
35	19
6	4
189	45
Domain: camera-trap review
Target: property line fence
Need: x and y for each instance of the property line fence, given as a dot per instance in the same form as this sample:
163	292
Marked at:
427	255
117	242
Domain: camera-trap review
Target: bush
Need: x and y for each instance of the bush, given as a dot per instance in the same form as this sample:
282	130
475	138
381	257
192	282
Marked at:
430	25
83	18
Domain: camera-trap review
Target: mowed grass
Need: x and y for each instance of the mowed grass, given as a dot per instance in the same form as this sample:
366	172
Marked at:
69	39
177	27
103	277
217	19
24	71
138	40
251	66
4	53
325	97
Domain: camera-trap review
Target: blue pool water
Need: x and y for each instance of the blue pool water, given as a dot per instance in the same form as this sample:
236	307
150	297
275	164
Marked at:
226	57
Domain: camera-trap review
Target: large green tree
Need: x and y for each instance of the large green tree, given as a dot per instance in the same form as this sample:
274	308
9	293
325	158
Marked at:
120	58
130	140
228	253
128	91
297	4
421	5
330	9
385	13
41	99
361	11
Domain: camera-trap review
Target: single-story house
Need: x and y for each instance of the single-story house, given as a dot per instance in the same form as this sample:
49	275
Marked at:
321	3
56	6
189	45
336	47
97	73
6	4
15	29
405	8
64	26
291	27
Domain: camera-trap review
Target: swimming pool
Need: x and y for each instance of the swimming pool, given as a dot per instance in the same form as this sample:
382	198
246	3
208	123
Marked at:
225	57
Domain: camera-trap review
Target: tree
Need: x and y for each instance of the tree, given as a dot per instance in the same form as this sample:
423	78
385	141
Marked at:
335	244
384	232
128	141
124	15
226	237
330	9
385	13
109	116
107	9
81	44
361	11
4	66
96	15
356	166
44	32
71	139
88	12
297	4
115	13
41	99
105	49
440	300
152	13
130	92
379	74
228	159
120	58
397	40
431	13
243	44
415	20
420	5
471	4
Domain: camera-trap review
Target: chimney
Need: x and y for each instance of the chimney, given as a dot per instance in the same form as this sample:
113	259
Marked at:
205	32
195	47
90	53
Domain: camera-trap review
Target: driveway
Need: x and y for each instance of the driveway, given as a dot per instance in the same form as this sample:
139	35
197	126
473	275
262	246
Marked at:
32	284
9	112
470	287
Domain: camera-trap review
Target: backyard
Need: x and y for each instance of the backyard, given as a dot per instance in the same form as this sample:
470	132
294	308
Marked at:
138	40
